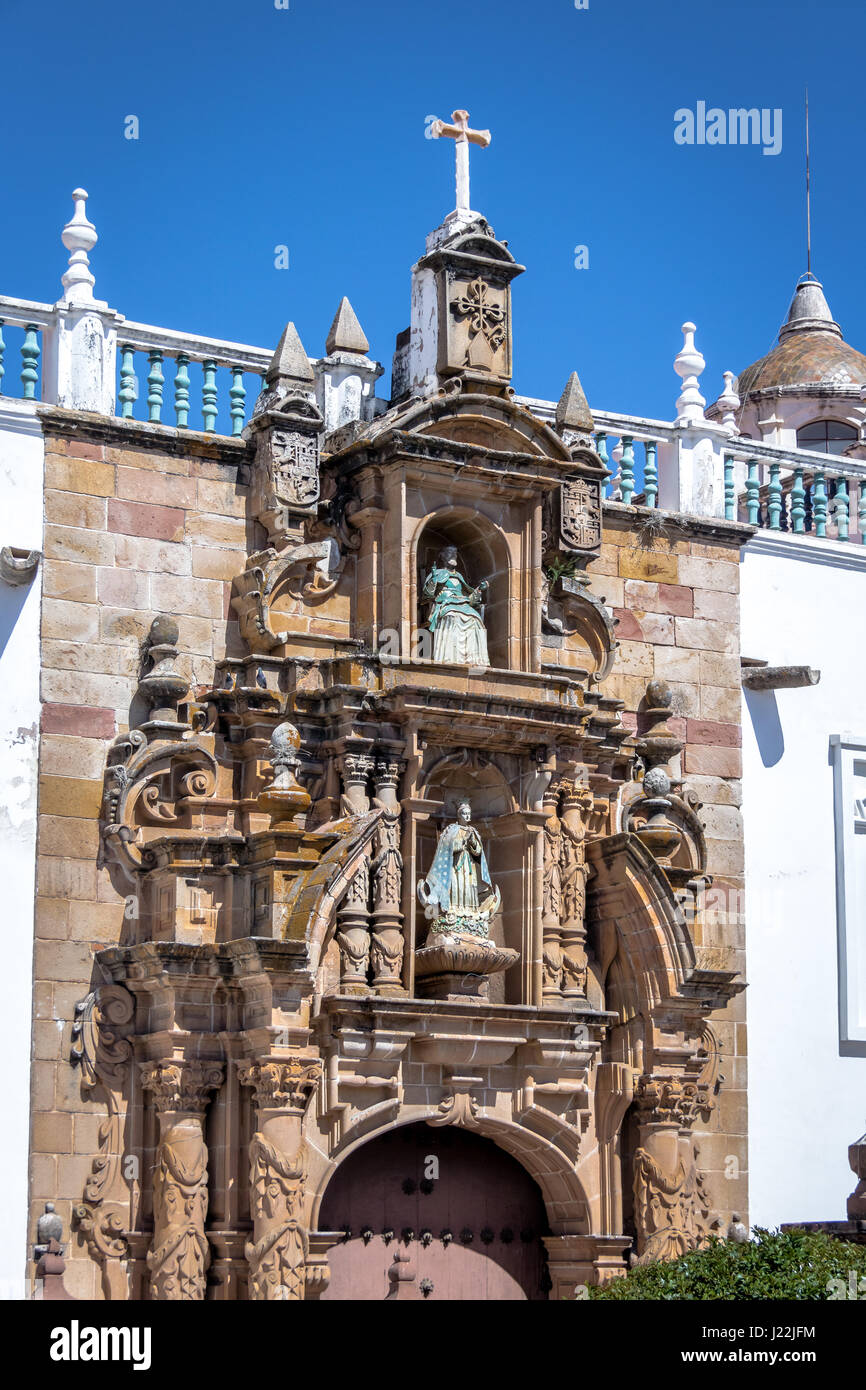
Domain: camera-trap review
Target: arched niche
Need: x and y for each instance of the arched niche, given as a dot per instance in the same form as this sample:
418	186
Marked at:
508	844
483	554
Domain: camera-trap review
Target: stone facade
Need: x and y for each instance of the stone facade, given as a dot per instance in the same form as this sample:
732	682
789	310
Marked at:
247	755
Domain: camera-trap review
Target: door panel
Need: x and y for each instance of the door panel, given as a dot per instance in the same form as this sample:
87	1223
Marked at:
473	1232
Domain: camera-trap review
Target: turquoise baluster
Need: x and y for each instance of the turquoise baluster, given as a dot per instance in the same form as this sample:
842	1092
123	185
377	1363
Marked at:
774	501
127	393
842	508
798	503
30	358
181	391
819	502
209	395
753	499
601	448
861	511
730	496
627	469
237	396
155	380
651	475
2	351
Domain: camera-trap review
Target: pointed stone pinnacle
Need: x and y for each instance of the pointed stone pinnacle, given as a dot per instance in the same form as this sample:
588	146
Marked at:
346	333
573	412
289	362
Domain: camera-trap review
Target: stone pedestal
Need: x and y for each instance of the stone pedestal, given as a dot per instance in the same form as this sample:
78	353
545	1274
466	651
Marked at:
450	967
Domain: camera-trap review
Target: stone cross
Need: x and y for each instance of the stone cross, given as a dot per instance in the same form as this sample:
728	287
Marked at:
460	132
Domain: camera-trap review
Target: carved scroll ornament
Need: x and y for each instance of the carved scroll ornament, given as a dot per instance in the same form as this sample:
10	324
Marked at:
156	782
102	1050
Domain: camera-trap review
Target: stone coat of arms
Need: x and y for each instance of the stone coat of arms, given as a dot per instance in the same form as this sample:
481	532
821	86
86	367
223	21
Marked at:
580	514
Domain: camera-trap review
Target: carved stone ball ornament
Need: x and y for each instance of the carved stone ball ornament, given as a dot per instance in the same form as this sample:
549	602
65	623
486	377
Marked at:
656	782
284	797
660	836
659	695
163	686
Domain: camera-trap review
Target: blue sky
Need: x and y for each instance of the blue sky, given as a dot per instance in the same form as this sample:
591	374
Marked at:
305	127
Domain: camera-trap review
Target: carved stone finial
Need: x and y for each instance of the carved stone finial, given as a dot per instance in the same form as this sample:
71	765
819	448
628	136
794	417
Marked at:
79	236
573	412
737	1231
729	402
290	364
658	743
284	797
689	364
346	333
49	1228
163	687
659	695
656	783
657	833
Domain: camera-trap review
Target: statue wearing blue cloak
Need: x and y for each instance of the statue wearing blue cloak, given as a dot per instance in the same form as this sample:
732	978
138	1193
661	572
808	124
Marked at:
457	894
455	617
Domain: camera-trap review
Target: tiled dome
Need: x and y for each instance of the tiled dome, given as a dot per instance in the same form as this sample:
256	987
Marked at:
811	350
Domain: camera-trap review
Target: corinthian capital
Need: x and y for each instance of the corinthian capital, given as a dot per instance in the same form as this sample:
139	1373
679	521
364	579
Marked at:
285	1084
182	1085
669	1100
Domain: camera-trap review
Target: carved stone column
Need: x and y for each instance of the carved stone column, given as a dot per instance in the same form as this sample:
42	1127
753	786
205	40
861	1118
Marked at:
179	1255
576	805
353	914
387	882
551	911
279	1251
671	1206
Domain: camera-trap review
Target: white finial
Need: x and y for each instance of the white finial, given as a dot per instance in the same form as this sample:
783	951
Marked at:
729	403
79	236
616	454
689	364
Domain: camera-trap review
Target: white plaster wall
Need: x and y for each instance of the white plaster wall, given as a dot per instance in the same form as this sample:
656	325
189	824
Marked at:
803	603
21	473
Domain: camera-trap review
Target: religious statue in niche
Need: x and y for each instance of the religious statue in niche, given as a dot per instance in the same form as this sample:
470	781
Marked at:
456	615
457	895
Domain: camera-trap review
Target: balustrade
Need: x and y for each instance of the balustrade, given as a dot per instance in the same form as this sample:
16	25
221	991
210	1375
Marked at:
23	323
217	369
820	501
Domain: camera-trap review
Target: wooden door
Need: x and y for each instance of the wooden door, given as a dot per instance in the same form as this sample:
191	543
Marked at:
472	1232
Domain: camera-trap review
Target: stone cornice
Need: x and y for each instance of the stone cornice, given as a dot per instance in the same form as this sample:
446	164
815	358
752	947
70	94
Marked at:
163	439
733	533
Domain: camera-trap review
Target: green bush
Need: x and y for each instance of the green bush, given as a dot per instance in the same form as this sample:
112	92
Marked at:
775	1264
